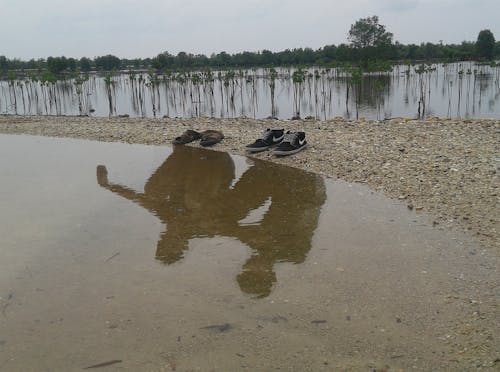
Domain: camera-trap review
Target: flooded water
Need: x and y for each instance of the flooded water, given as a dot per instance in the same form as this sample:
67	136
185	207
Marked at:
456	90
156	258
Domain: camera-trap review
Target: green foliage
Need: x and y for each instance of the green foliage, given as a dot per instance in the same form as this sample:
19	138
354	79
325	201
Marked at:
107	63
376	66
56	65
485	44
298	76
162	61
108	81
48	77
357	74
11	76
496	50
4	63
85	64
367	32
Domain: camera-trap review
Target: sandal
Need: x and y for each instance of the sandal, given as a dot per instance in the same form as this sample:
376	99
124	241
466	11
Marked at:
211	137
186	137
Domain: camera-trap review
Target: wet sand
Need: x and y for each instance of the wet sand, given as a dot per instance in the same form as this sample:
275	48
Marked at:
84	280
447	168
380	288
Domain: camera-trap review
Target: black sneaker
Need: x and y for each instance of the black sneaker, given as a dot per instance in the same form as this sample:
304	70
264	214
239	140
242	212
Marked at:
291	144
270	137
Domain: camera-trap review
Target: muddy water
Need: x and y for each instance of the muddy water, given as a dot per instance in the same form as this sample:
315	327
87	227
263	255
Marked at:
134	258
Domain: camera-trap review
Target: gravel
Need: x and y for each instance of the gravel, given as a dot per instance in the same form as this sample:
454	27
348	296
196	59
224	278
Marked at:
446	168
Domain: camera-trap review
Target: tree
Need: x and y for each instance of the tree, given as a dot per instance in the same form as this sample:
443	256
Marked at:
485	44
162	61
4	63
85	64
72	64
107	63
367	32
56	65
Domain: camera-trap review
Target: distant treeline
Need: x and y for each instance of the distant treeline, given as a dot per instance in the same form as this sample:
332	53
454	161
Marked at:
330	55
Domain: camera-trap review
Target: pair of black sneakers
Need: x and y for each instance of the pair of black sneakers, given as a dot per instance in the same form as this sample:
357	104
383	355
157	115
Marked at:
281	143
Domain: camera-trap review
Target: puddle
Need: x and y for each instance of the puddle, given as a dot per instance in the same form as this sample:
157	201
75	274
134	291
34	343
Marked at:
151	258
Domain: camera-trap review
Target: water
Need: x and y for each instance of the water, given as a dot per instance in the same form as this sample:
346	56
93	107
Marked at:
188	259
458	90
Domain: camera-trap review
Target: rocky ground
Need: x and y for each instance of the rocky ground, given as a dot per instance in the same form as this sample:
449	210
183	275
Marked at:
446	168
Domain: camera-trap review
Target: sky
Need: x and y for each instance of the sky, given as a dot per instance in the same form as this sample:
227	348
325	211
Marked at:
145	28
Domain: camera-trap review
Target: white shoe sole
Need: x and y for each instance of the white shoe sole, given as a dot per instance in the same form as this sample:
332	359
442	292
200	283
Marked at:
260	149
284	153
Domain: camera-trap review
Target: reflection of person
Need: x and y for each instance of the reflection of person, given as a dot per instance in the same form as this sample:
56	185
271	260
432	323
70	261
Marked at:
190	192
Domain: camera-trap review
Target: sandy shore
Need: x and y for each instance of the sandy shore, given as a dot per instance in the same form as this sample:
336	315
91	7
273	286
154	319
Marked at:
446	168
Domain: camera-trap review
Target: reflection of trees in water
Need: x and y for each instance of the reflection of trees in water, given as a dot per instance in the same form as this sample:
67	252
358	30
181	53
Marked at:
455	89
375	89
192	193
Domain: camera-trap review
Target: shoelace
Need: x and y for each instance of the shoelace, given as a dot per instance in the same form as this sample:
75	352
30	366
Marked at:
290	137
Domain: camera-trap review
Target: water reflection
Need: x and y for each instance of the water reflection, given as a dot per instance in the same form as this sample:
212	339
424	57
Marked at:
271	208
464	89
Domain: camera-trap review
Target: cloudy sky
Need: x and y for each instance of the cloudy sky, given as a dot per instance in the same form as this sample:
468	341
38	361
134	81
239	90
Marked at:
144	28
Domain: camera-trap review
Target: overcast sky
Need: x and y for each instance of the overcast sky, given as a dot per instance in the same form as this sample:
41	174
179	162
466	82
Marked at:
145	28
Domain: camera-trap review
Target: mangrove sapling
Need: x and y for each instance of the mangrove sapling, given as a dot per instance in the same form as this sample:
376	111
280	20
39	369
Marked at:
151	84
220	79
329	97
141	94
298	78
317	77
326	96
467	100
133	89
211	90
109	84
166	83
356	79
346	72
254	97
43	84
421	83
183	93
194	92
227	91
156	87
229	83
378	94
27	84
240	81
272	86
21	88
12	89
460	80
134	95
78	82
450	91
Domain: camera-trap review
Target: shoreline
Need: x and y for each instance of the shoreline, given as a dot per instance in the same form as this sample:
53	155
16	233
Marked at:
444	167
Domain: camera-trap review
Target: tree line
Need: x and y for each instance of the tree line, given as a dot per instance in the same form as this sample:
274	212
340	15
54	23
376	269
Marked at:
369	41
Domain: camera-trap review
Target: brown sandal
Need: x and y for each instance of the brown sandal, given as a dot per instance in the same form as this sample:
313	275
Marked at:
186	137
211	137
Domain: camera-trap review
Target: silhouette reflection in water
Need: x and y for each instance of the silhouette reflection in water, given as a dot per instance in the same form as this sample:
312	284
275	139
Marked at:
192	193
